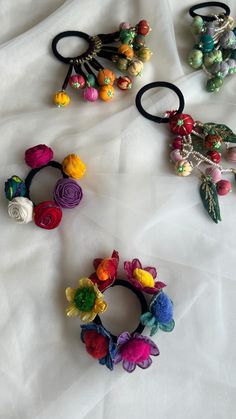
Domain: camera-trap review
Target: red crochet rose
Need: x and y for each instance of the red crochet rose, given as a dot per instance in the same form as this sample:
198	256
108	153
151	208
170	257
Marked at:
181	124
47	215
38	156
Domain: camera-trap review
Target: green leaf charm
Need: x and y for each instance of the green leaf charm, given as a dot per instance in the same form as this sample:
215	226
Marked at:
209	198
219	129
167	327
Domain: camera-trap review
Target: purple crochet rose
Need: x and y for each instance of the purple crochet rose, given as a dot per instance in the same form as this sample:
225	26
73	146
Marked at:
67	193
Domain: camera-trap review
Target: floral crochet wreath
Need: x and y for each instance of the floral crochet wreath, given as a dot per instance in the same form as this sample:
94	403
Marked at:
86	73
197	146
67	193
87	302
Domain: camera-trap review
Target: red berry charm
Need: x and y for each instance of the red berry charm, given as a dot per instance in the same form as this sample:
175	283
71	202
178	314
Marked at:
177	143
124	83
223	187
214	156
181	124
213	142
143	28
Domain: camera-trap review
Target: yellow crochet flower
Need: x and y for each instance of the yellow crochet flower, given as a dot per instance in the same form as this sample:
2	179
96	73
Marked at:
144	278
73	166
85	301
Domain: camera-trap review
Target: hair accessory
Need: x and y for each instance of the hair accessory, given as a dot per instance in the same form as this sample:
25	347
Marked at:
214	48
85	71
198	146
86	301
67	193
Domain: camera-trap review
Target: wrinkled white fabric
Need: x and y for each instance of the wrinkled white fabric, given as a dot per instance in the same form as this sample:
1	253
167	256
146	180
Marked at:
133	203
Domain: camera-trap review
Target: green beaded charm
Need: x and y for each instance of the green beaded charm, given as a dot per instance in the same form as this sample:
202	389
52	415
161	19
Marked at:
206	43
212	57
195	58
197	25
214	85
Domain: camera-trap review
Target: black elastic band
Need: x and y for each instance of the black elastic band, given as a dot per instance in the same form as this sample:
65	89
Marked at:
152	86
66	34
142	300
33	172
209	4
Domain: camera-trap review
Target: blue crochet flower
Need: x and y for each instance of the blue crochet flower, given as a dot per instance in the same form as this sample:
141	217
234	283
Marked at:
99	344
160	314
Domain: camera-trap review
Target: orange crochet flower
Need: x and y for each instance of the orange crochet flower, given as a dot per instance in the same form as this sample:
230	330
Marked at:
106	271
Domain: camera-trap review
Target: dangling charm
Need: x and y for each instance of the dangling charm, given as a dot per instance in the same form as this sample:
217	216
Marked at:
86	72
214	45
197	147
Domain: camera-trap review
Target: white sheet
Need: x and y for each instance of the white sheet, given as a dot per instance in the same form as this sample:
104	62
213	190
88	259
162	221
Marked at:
133	203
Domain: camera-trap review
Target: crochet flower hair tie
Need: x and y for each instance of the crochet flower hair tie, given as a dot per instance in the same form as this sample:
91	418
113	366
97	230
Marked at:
86	73
214	47
67	192
87	301
198	147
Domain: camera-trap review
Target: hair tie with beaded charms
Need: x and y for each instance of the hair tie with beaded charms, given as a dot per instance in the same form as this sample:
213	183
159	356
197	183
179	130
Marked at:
197	146
215	44
85	71
67	192
87	302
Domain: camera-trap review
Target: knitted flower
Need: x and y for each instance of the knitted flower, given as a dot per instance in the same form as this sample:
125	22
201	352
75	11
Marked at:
47	215
38	156
106	271
143	278
99	344
21	210
73	166
85	301
14	187
160	314
67	193
135	351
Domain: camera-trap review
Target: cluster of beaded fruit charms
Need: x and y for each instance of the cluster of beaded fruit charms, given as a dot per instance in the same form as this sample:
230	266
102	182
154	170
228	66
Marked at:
87	301
197	146
87	74
215	47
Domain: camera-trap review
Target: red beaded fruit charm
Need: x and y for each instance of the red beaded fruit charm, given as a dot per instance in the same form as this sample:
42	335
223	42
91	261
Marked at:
181	124
177	143
213	142
214	156
77	81
223	187
124	83
143	27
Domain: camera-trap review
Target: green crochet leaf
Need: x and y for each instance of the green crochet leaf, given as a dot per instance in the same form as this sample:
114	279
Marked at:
219	129
154	329
198	144
168	327
147	319
209	198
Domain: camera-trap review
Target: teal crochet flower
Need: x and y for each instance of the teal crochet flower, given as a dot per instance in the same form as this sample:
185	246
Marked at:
14	187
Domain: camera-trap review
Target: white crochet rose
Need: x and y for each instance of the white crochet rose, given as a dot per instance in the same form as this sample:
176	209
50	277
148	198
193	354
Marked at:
21	209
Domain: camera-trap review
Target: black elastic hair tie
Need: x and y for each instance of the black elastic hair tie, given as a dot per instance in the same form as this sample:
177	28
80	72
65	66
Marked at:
209	18
149	86
33	172
143	303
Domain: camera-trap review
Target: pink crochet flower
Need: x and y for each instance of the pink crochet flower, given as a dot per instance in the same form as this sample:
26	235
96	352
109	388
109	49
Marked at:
143	278
135	351
106	271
